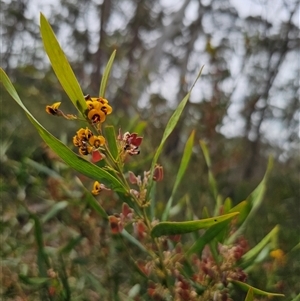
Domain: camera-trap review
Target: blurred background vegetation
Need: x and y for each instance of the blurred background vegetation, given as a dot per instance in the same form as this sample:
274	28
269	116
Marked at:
245	106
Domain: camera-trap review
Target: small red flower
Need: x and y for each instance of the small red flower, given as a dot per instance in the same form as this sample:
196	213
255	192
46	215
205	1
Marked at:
115	224
140	230
132	178
132	143
133	139
127	212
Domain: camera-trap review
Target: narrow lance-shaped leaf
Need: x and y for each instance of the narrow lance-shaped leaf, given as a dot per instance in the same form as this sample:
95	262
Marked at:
170	127
55	209
227	205
61	66
38	281
173	228
207	237
211	179
79	164
111	140
254	200
243	208
64	277
133	240
106	74
251	255
250	296
245	287
183	165
42	257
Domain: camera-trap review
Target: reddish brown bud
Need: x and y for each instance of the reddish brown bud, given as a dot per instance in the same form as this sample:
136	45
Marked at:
158	173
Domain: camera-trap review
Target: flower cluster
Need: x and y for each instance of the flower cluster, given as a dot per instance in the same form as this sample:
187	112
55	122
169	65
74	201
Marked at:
140	194
130	143
118	221
87	142
98	108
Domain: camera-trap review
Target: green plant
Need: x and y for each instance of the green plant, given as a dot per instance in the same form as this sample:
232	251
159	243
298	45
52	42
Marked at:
199	259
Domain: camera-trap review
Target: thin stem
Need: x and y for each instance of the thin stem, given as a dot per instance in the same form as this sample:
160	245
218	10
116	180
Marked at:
158	246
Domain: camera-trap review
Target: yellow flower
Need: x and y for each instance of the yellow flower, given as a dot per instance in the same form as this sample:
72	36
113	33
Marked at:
87	142
107	109
93	105
81	134
84	134
102	100
76	141
279	256
96	188
96	116
97	141
98	108
88	133
53	109
85	150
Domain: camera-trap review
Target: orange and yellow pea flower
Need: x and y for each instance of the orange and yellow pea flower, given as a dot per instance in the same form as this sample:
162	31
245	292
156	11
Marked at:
98	108
53	109
86	141
85	150
107	109
96	188
97	141
96	116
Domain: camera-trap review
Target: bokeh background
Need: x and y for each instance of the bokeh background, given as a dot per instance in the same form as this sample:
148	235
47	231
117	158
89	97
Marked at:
245	106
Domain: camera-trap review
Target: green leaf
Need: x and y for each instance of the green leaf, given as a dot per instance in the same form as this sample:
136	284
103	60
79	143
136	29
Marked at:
111	140
78	163
250	296
106	74
42	258
173	228
183	165
254	200
243	208
227	205
33	280
139	126
297	298
44	169
133	240
256	197
245	287
211	179
205	212
71	245
169	129
179	207
63	275
205	153
249	258
54	210
61	66
207	237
